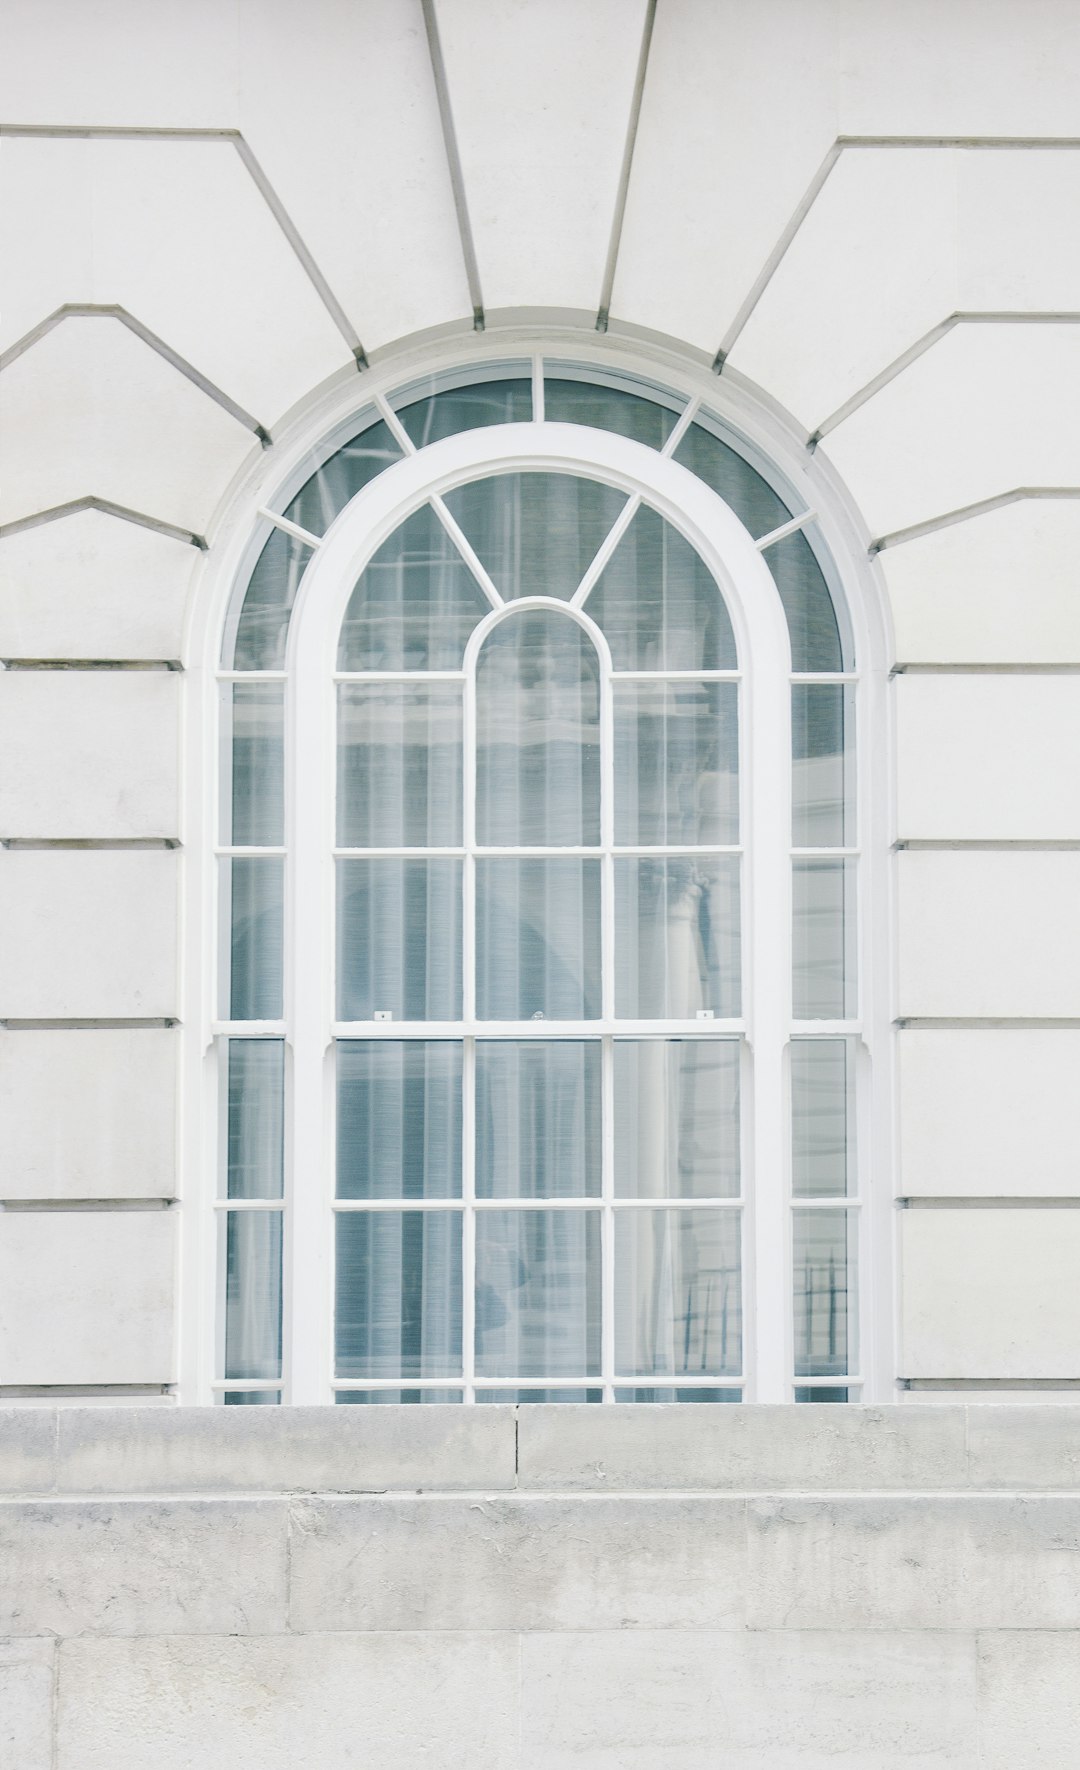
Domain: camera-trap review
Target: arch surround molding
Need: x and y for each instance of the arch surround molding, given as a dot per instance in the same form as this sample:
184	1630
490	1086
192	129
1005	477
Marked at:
735	560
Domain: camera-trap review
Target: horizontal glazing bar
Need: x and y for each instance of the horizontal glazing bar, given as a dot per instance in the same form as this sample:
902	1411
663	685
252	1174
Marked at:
247	1029
826	853
674	849
539	1029
586	1202
251	853
823	676
251	676
840	1380
825	1029
841	1202
681	1381
242	1385
419	676
249	1204
675	676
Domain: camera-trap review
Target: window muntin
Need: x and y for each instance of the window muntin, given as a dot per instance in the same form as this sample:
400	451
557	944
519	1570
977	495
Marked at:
671	646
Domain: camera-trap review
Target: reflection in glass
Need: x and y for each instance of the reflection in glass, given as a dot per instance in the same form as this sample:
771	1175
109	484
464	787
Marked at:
678	1293
437	414
821	816
538	939
251	1397
399	765
398	1118
414	605
396	1397
538	1293
398	1294
677	937
573	401
540	1397
811	617
535	533
253	796
823	943
252	1294
254	889
676	1118
754	502
537	734
819	1117
659	605
821	1392
399	939
538	1119
256	1120
824	1258
680	1395
676	763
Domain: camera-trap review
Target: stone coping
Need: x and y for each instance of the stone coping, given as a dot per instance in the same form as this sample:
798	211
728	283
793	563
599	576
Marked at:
947	1448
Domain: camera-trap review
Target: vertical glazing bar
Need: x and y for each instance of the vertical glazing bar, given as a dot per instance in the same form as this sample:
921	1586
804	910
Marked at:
468	1080
468	1225
607	996
538	389
607	1223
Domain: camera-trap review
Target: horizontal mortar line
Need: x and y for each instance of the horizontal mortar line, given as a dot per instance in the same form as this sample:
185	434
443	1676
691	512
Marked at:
86	310
159	664
988	1022
985	1202
89	844
987	317
817	183
987	845
519	1494
999	669
973	1384
965	512
622	191
53	1023
107	508
35	1206
453	162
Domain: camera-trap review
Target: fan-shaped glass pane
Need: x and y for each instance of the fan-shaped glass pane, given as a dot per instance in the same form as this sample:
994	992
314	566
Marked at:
658	604
415	603
754	502
537	734
608	408
453	409
536	533
812	626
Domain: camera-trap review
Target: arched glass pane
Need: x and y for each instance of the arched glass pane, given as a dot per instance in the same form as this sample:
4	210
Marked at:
808	606
676	763
414	605
573	401
754	502
659	606
454	409
535	533
537	734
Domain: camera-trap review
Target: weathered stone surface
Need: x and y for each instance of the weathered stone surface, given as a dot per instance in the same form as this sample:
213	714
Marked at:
26	1705
518	1563
331	1702
1027	1447
142	1567
682	1701
922	1562
1029	1700
27	1449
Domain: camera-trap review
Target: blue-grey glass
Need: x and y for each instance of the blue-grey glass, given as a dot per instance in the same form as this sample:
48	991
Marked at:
447	413
677	937
822	815
537	734
538	1118
398	1294
540	1397
676	763
813	630
399	939
263	625
538	939
253	806
676	1118
398	1118
575	401
678	1293
754	502
823	956
538	1294
820	1159
678	1395
396	1397
535	533
415	603
252	1294
252	1398
256	891
399	765
821	1393
824	1258
256	1125
658	604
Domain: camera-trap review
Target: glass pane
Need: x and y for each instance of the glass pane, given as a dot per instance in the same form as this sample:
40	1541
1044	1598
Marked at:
398	1119
822	815
254	891
825	1254
438	414
346	472
819	1117
262	628
538	1293
678	1293
398	1291
399	939
256	1132
811	617
822	1393
608	408
823	939
659	605
399	766
252	1294
679	1395
414	605
537	939
676	763
677	1118
536	1397
537	734
536	533
757	506
253	787
538	1119
251	1398
677	937
396	1397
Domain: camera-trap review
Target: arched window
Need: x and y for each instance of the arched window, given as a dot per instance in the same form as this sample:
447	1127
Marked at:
539	1023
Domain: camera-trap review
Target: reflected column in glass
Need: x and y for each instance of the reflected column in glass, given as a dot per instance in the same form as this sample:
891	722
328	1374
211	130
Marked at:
538	939
398	1294
677	937
538	1118
399	939
538	1294
678	1293
676	764
676	1118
